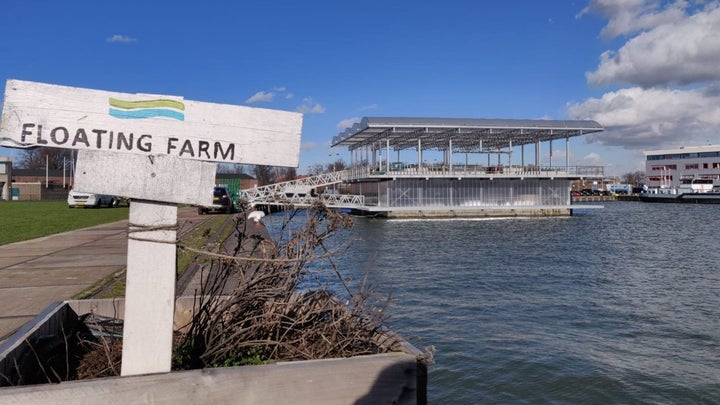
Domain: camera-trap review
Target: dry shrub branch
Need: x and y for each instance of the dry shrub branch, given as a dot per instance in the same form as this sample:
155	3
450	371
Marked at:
267	316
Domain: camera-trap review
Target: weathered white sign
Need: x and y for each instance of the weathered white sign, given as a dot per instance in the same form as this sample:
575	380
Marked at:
154	178
38	114
156	150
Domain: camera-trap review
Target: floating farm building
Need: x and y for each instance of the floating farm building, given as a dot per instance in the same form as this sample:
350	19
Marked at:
479	167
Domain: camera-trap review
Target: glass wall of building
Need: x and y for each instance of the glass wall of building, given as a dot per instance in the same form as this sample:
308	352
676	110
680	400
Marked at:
466	192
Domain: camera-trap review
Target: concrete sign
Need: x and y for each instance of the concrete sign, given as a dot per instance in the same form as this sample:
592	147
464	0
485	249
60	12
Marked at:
38	114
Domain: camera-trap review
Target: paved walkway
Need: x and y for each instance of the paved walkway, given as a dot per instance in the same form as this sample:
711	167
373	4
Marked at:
38	272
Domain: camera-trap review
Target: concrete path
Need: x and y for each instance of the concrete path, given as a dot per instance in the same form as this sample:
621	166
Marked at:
38	272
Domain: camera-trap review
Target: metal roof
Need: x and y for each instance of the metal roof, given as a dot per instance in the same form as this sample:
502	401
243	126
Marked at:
468	135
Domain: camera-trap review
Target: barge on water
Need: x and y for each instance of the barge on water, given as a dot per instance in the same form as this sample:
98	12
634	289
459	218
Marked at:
690	190
450	167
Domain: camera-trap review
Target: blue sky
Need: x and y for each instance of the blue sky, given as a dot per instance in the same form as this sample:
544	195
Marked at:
645	69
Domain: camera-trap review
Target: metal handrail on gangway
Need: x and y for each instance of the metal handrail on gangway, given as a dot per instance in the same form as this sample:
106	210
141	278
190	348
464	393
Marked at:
299	193
330	200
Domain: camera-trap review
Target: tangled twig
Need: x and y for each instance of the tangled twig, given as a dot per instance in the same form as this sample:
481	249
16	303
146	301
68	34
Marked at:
268	317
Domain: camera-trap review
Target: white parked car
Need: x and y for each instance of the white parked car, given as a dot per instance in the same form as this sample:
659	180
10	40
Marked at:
80	199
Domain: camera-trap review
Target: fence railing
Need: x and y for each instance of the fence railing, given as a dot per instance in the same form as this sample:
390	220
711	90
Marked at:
358	172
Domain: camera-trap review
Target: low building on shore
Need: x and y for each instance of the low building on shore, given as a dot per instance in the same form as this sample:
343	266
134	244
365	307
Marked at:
5	177
669	167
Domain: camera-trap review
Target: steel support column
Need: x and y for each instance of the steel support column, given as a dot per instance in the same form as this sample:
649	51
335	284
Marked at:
551	150
510	154
374	160
567	152
419	165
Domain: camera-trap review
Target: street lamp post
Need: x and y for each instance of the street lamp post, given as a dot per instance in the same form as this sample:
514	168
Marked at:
334	163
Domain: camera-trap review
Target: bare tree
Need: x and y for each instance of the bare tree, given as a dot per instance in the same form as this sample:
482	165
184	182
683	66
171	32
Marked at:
37	158
234	168
335	166
634	178
316	169
286	173
264	174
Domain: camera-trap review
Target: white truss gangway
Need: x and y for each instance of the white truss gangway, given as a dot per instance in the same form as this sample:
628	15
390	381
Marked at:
300	193
330	201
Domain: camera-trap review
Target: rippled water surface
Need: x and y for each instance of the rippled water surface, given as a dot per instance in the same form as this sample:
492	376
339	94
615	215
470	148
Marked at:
618	305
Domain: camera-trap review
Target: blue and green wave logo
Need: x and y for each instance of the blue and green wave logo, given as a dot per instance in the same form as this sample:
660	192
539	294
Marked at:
147	109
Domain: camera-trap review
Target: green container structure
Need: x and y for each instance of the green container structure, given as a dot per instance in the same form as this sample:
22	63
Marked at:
233	186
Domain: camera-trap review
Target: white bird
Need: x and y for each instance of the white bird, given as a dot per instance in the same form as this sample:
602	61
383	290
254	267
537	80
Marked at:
256	215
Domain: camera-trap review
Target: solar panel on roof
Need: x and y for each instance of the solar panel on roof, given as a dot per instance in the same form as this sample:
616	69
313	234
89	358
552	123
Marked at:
466	134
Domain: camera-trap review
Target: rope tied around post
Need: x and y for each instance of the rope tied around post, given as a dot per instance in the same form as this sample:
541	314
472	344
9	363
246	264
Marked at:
134	229
238	258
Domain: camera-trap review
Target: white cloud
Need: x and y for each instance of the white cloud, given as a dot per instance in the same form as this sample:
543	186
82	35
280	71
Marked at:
260	96
306	146
368	107
310	107
593	159
269	96
682	52
637	118
631	16
669	49
121	39
347	123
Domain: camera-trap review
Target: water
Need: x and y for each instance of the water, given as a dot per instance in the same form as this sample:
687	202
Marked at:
619	305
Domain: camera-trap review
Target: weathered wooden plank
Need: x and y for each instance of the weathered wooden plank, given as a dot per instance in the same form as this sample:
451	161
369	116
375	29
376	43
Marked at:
84	119
377	379
185	308
150	288
51	321
384	378
155	178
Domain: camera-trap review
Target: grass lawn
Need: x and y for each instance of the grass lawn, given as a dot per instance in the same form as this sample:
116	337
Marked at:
23	220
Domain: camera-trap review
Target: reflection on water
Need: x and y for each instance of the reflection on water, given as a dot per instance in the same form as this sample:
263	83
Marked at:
615	305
